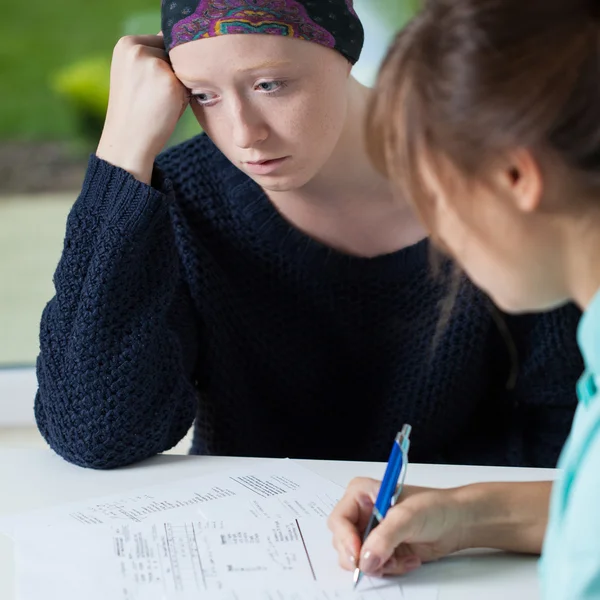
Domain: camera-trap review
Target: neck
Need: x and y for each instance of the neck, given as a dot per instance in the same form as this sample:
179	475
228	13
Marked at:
582	264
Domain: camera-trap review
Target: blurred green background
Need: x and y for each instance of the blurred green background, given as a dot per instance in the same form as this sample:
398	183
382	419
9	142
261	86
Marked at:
54	76
43	41
42	38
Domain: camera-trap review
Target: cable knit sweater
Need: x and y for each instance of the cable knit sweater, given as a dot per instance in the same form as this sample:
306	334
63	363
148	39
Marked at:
193	299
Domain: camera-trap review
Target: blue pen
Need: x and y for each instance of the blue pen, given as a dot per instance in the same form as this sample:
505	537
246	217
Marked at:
391	486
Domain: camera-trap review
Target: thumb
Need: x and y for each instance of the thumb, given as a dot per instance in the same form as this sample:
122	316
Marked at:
381	543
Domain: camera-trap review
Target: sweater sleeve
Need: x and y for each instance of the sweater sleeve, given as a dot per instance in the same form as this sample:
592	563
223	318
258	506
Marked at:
118	339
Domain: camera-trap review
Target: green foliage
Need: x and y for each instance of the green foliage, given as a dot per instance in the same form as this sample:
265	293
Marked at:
85	84
142	23
397	12
38	40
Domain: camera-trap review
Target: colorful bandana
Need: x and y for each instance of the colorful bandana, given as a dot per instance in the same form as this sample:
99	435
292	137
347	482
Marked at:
331	23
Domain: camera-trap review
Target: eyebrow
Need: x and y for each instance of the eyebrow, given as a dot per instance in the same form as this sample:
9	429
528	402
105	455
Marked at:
270	64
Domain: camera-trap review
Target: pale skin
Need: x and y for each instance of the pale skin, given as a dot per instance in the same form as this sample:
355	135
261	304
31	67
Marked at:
263	97
529	238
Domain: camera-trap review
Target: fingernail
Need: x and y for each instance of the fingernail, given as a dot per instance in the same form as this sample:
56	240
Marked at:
412	563
391	565
370	563
365	502
352	558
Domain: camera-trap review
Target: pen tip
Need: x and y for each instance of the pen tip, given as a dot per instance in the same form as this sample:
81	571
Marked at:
356	578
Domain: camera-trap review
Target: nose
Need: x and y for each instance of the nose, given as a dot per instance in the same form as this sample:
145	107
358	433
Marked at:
248	125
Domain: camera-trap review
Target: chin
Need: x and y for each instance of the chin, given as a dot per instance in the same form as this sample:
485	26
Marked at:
280	184
512	307
530	304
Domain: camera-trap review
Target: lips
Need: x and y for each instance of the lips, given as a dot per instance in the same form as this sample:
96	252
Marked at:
265	166
261	161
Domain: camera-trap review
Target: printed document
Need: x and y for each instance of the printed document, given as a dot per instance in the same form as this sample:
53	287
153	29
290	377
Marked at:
275	489
255	533
266	559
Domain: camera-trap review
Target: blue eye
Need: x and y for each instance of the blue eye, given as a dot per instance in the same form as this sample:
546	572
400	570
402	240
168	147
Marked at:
270	86
204	98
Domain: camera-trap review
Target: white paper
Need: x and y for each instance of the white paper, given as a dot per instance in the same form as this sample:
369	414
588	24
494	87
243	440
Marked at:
281	559
276	489
254	533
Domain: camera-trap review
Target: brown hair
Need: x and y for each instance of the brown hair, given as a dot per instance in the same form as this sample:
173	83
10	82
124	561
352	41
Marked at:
468	80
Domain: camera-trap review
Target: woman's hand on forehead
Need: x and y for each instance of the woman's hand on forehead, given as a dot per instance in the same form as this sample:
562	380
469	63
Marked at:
146	101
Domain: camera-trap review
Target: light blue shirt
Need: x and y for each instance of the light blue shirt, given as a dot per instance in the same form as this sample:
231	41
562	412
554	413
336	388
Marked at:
570	564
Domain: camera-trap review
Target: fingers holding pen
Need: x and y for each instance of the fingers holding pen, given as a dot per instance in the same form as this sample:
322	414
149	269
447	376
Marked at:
349	520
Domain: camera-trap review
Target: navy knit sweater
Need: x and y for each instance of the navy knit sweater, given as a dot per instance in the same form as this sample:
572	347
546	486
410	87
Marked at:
194	299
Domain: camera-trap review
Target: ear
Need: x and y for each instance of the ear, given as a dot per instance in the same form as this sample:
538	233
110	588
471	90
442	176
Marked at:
521	176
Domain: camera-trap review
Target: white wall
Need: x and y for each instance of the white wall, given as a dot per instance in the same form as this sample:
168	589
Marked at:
17	392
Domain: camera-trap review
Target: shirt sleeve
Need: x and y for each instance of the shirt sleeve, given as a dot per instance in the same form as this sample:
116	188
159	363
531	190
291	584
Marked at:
580	540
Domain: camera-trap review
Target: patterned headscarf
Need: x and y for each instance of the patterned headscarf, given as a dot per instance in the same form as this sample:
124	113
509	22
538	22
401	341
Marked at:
331	23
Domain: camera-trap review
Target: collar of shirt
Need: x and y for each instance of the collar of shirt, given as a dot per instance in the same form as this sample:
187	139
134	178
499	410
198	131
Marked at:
588	337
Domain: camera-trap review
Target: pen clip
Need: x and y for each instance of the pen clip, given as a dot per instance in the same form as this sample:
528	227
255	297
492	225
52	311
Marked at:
404	443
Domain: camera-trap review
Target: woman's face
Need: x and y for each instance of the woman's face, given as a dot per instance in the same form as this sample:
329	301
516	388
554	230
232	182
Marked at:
507	250
274	106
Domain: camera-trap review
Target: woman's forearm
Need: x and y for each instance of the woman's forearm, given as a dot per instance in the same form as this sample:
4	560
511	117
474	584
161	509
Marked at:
507	516
118	342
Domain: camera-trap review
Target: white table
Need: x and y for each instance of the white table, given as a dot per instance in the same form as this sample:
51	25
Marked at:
32	479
